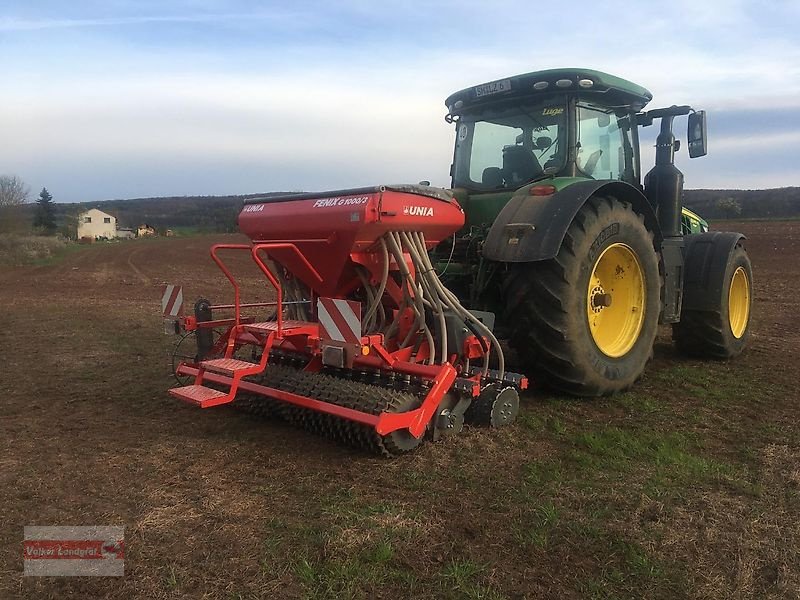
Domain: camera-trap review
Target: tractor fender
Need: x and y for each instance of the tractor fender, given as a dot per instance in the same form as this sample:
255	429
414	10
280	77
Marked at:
532	228
706	258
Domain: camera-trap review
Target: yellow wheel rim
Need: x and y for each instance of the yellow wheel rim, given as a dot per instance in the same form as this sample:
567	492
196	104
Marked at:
615	302
739	302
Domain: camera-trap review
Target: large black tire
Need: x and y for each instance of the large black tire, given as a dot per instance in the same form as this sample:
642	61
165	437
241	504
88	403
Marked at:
710	333
547	304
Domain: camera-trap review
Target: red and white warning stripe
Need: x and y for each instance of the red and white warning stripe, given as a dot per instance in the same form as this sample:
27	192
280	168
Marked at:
172	301
340	320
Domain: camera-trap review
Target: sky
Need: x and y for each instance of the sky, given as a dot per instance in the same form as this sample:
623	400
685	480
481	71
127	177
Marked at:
132	98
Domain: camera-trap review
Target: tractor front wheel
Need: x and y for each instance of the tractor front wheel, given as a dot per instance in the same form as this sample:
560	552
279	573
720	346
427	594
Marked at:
584	322
724	331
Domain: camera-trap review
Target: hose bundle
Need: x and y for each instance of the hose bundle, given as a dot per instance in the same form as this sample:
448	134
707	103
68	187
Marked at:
424	294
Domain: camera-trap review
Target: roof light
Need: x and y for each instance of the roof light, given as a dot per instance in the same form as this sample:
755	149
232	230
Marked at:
563	83
458	104
542	190
540	85
585	83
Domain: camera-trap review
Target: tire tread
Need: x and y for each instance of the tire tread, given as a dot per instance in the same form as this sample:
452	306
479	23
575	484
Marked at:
539	311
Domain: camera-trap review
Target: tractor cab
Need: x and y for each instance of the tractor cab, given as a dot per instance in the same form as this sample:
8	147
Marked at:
557	123
563	126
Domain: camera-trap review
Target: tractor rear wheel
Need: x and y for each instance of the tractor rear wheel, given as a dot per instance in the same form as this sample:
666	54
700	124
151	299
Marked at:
723	332
585	321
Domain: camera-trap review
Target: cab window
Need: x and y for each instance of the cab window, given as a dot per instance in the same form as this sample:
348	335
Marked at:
507	147
487	141
603	146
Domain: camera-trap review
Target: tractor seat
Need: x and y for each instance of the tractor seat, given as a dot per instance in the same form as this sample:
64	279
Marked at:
519	165
492	177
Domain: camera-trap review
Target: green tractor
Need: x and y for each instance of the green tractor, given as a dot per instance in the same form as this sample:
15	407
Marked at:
577	255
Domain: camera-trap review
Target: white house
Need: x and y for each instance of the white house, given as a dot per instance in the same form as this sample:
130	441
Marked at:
95	223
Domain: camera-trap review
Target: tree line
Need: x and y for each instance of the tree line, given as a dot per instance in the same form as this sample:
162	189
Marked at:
46	217
219	213
776	203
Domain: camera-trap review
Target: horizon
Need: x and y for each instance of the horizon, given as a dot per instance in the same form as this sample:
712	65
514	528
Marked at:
134	100
280	192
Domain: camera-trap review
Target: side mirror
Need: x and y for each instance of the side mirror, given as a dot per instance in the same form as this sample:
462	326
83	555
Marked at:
697	134
543	143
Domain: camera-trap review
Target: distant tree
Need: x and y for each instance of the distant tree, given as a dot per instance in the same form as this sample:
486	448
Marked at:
45	218
69	225
730	207
13	194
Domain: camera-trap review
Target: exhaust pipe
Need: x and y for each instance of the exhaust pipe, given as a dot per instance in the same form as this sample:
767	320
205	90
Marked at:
663	185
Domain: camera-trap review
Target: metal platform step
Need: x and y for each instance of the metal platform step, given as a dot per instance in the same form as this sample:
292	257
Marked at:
228	366
200	395
288	327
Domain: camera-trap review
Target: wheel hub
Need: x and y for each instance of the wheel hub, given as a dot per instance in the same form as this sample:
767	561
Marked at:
600	299
449	423
739	302
505	408
618	275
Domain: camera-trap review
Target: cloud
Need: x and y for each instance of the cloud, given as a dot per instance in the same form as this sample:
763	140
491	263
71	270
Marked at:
255	134
130	98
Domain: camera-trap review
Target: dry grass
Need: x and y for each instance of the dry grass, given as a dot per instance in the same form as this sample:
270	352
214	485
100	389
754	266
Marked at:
686	487
17	250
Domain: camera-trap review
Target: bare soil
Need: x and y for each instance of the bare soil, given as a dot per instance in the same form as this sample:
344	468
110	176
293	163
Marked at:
687	486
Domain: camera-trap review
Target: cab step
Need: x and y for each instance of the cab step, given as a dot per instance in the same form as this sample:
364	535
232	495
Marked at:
229	366
201	396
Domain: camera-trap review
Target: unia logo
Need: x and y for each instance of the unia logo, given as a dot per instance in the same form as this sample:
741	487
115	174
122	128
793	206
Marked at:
418	211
